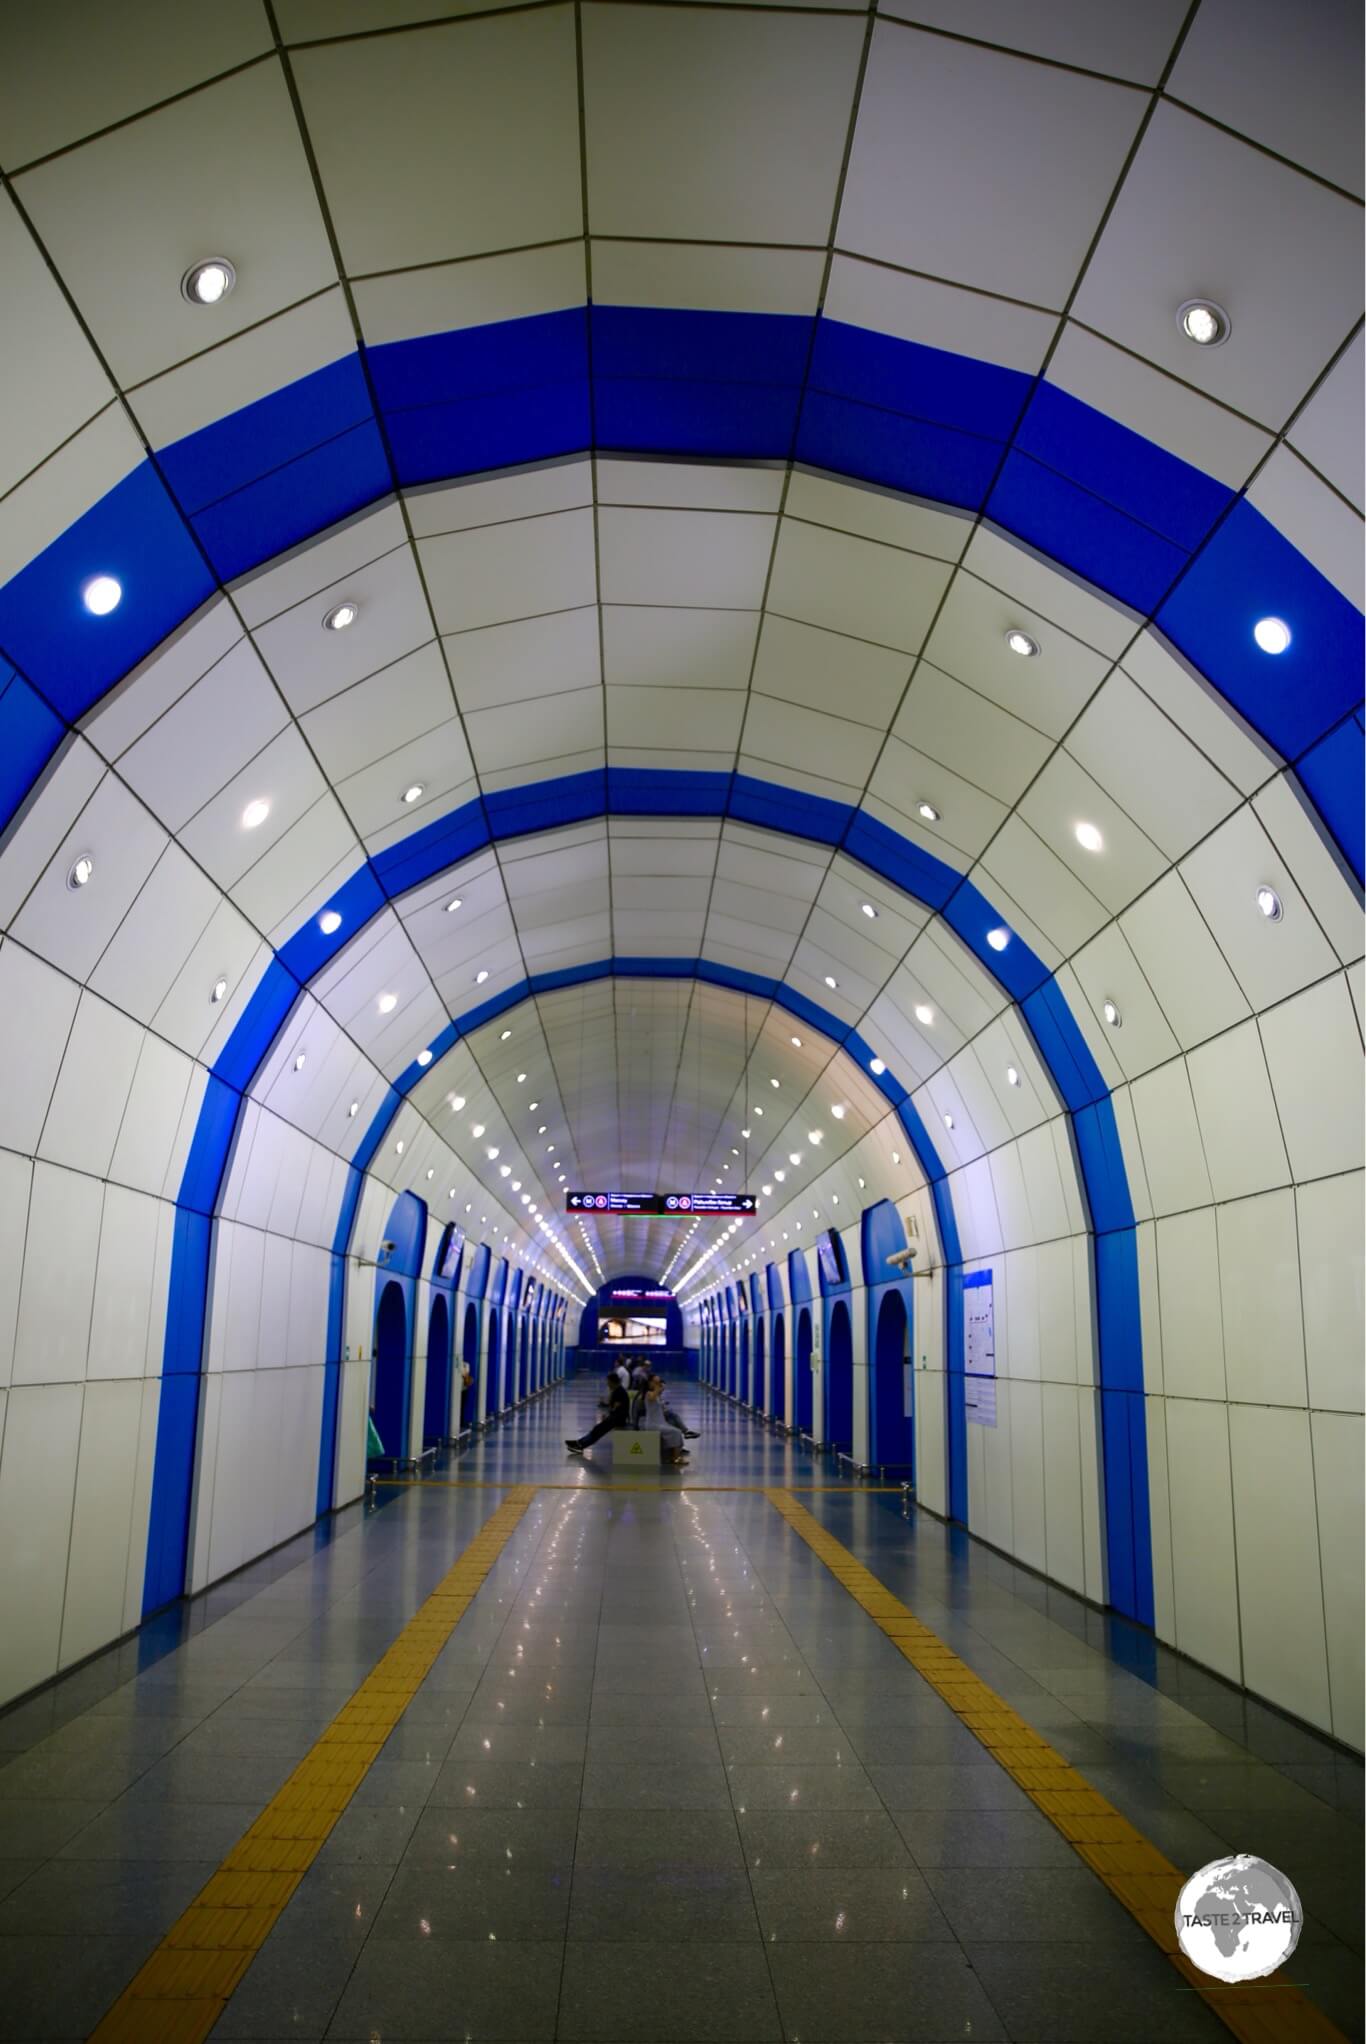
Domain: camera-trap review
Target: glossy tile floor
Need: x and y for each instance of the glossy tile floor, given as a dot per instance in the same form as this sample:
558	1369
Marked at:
666	1782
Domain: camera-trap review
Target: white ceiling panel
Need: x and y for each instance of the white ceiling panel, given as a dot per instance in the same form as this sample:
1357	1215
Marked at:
522	569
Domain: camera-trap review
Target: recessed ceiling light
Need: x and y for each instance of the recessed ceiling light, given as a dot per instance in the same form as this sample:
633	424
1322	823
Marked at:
1021	643
869	910
481	975
1012	1076
329	922
834	1199
1110	1010
876	1067
744	1135
101	594
928	811
861	1184
998	939
794	1156
504	1036
924	1014
1269	902
831	982
387	1003
1272	634
1204	322
300	1061
948	1121
516	1182
413	794
796	1042
431	1173
1088	837
209	281
424	1057
255	813
398	1146
521	1078
341	617
837	1112
816	1136
353	1110
774	1084
81	871
476	1130
532	1105
541	1131
781	1177
453	904
896	1156
218	991
492	1153
759	1110
457	1102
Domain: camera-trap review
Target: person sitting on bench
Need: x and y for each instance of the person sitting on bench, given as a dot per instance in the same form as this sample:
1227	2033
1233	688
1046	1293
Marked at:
617	1414
652	1420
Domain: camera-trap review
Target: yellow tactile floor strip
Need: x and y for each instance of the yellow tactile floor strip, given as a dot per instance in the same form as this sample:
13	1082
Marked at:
1262	2012
182	1990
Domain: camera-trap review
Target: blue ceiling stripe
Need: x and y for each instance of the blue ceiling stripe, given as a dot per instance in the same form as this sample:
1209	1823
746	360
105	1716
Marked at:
1095	496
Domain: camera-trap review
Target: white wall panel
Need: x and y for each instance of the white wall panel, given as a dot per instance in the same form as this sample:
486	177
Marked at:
37	1009
1237	1114
16	1181
1190	1304
1331	1219
1204	1576
101	1523
87	1107
1259	1274
1339	1446
37	1478
1280	1597
1313	1052
126	1292
59	1277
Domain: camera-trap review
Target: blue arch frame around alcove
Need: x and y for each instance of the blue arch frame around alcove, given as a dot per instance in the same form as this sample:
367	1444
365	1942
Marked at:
1135	521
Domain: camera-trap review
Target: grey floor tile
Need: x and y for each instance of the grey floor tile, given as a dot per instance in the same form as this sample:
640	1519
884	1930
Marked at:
418	1742
1035	1905
230	1735
693	1993
934	1785
1082	1993
35	1830
369	1835
211	1778
161	1831
662	1784
492	1838
851	1905
478	1902
337	1900
622	1709
777	1712
844	1994
787	1839
678	1745
745	1746
290	1989
944	1745
61	1986
498	1990
513	1707
552	1745
103	1898
397	1784
484	1784
656	1905
983	1838
763	1683
637	1843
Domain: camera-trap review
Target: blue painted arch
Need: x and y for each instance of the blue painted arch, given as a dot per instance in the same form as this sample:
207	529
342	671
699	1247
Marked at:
1134	520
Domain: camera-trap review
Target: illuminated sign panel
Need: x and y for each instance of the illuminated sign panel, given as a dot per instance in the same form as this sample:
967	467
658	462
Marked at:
660	1203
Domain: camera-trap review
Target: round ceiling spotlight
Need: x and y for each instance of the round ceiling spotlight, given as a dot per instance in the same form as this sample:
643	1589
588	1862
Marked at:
869	910
928	811
452	905
255	813
413	793
329	922
1088	837
837	1112
1110	1010
424	1058
101	594
208	282
1269	902
387	1003
481	975
300	1061
219	991
81	871
1012	1076
831	982
1021	643
948	1121
1272	634
998	939
924	1014
341	617
876	1067
796	1042
1204	322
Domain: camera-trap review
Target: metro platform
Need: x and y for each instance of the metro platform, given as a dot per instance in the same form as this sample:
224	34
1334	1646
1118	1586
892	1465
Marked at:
653	1763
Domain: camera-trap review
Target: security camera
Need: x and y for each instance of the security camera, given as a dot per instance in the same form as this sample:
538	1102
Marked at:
386	1250
900	1258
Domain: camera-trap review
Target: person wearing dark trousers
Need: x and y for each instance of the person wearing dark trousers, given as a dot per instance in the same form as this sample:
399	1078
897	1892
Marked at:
617	1414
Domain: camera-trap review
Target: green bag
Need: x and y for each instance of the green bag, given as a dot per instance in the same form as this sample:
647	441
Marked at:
374	1446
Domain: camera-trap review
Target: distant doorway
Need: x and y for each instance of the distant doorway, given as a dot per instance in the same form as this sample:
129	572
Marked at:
436	1400
389	1397
893	1432
839	1379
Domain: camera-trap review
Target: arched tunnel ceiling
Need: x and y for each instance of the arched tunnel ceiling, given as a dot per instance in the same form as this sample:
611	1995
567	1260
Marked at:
704	617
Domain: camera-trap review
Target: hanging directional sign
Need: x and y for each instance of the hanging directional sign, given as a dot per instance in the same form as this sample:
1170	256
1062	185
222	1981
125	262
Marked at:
672	1203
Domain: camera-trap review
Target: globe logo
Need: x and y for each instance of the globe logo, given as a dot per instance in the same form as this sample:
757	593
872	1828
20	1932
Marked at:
1238	1919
